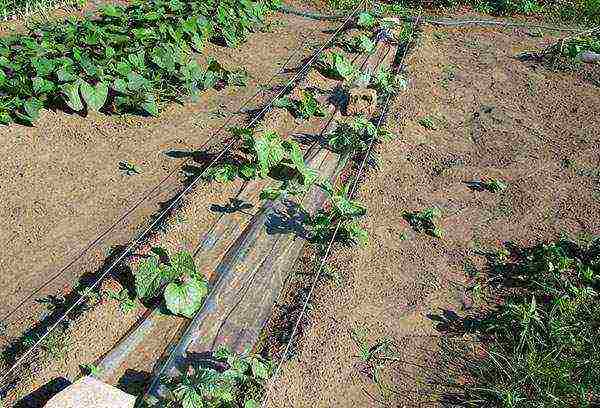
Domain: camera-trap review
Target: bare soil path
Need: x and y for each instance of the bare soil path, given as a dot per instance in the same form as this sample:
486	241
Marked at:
493	116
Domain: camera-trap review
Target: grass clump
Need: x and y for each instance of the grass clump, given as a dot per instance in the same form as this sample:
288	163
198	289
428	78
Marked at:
131	58
542	340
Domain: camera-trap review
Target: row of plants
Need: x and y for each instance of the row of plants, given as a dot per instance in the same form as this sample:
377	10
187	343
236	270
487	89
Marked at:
132	58
540	329
581	12
227	379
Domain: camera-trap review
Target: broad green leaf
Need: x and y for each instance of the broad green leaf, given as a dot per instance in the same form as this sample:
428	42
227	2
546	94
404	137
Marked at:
42	86
43	66
70	92
32	108
366	20
185	298
260	369
182	263
94	96
269	152
148	278
344	67
150	105
247	171
251	404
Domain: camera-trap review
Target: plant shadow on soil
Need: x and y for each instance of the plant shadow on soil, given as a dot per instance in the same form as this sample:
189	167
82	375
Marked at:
57	307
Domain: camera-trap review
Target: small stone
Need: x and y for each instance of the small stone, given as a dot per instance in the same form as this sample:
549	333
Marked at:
88	392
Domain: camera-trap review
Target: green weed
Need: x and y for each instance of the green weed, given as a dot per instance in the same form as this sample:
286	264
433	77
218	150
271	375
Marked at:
90	369
129	169
428	122
424	221
541	340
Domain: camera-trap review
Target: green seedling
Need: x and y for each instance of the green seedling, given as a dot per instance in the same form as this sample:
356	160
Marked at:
90	369
337	66
366	20
268	155
182	287
427	122
239	384
424	221
352	137
126	304
340	209
129	169
304	108
494	185
385	82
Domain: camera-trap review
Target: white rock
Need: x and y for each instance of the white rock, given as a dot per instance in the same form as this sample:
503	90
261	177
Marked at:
88	392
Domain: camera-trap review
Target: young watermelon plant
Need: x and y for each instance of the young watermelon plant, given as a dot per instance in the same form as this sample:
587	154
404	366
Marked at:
337	66
131	58
182	287
338	209
304	108
268	155
229	380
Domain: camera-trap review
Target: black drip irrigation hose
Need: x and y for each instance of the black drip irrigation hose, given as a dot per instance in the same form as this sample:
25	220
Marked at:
443	22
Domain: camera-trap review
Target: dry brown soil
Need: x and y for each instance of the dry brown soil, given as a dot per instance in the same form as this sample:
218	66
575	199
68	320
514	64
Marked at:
495	116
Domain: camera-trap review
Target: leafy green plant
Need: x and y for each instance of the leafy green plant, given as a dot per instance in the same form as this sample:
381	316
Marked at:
494	185
126	304
540	338
428	122
337	66
129	169
386	82
175	278
268	155
353	136
304	108
131	58
424	221
338	209
232	381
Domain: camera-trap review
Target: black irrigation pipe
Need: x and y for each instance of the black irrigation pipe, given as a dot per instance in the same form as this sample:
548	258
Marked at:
172	204
327	252
144	198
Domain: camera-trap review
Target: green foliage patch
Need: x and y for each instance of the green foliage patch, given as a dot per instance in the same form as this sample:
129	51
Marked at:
129	59
542	337
182	287
234	381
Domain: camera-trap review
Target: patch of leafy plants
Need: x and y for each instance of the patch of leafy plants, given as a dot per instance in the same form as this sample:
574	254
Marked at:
338	209
424	221
130	58
306	107
335	65
540	337
175	278
386	82
350	137
228	381
265	155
